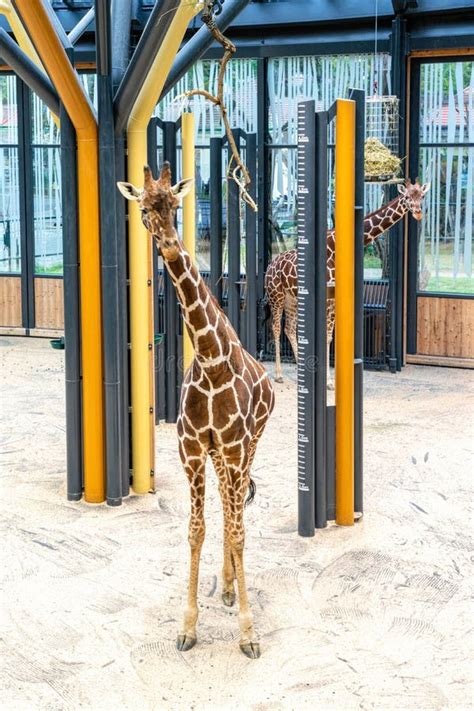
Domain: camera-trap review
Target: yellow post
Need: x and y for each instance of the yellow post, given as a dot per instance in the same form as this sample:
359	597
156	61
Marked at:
140	268
345	204
69	88
189	213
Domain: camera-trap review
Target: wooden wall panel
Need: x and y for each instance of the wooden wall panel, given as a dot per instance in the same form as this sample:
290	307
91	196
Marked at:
445	327
49	306
10	301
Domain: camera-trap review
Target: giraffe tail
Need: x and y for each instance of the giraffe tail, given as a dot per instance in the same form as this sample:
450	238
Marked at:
251	493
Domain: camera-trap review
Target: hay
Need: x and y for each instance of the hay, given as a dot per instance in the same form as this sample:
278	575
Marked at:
379	161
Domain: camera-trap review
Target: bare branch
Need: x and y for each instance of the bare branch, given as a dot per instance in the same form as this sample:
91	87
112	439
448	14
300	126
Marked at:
239	173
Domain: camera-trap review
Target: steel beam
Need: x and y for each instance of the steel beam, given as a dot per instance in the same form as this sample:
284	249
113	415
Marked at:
28	71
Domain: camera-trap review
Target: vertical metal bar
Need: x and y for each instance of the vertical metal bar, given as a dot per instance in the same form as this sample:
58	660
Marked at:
188	157
264	245
109	257
320	340
25	203
395	233
331	462
345	204
251	247
399	68
233	242
306	222
359	97
215	196
159	372
122	261
171	309
121	13
25	161
72	339
414	160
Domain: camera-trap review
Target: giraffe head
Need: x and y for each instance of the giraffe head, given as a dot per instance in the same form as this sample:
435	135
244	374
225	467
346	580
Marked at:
412	196
158	201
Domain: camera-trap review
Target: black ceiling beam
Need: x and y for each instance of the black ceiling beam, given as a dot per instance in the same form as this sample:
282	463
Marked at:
27	70
152	37
78	30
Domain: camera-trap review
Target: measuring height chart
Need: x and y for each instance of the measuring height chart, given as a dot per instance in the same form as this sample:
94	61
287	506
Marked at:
306	311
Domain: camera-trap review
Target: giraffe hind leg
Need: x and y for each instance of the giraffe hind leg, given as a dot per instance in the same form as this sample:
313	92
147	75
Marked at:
330	332
277	312
228	568
236	488
291	305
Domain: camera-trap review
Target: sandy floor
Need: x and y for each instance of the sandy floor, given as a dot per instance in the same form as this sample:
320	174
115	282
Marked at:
373	617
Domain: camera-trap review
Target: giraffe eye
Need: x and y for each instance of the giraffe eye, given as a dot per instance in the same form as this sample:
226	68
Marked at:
144	210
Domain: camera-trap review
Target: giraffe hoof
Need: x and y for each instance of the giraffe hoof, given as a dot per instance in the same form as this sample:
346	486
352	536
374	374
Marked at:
279	380
185	642
250	649
228	598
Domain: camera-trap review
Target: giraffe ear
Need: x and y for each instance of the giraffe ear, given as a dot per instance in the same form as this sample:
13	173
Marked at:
129	191
425	188
401	189
182	188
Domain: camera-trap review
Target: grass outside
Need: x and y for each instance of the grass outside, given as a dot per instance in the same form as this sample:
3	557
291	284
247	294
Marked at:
50	269
449	285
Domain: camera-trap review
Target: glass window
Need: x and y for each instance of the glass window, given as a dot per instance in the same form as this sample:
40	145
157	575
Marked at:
47	210
445	248
446	102
10	233
282	221
240	95
46	170
47	182
323	79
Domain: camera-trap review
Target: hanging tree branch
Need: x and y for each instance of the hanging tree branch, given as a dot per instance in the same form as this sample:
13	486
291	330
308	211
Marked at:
237	172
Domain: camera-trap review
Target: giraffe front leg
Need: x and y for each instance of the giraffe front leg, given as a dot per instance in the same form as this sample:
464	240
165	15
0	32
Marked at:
194	465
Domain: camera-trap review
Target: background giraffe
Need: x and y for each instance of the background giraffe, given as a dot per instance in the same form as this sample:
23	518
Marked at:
281	278
226	400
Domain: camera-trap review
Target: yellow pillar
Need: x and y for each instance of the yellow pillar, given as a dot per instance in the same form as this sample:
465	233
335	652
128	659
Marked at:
189	213
69	88
140	269
345	203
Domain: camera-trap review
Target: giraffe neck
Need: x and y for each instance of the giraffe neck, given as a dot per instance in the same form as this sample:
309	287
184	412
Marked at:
376	223
210	330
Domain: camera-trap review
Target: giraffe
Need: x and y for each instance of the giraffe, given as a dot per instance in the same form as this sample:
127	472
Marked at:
281	278
226	400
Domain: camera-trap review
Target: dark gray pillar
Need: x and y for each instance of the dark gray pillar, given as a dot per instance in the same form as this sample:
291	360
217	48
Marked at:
72	320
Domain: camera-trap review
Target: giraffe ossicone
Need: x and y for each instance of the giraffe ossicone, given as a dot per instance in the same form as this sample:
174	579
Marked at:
226	400
281	278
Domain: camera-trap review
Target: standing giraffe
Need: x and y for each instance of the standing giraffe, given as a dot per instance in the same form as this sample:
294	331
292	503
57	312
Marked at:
281	278
226	400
